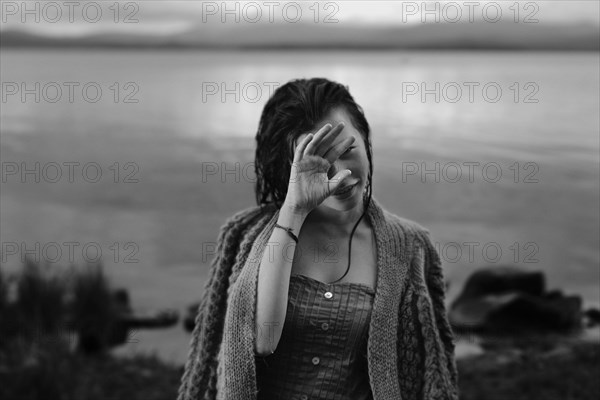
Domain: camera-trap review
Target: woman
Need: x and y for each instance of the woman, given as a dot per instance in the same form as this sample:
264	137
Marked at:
319	293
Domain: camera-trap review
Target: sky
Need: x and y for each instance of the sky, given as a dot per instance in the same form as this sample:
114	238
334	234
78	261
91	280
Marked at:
164	17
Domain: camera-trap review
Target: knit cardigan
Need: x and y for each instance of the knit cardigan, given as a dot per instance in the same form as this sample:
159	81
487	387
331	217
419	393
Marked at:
410	343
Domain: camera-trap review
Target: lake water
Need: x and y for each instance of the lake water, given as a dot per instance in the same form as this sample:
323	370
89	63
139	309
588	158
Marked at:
531	117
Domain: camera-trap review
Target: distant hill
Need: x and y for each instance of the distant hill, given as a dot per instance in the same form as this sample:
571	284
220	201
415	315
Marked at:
499	36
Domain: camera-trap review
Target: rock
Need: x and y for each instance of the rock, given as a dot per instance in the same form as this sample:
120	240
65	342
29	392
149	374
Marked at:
97	336
161	319
525	313
562	350
554	294
512	301
501	280
465	349
470	315
189	321
592	316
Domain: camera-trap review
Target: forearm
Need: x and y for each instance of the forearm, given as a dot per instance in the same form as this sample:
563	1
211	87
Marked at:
273	281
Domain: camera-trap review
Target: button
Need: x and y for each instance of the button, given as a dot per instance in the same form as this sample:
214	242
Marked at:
324	326
328	295
316	360
304	397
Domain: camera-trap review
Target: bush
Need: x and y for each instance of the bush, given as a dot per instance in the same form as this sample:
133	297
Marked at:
40	307
54	305
3	291
572	376
93	311
36	359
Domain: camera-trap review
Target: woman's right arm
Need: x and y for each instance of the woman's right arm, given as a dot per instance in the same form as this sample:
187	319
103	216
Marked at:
273	279
308	186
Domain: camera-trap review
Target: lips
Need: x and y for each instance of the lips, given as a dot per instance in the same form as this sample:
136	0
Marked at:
346	189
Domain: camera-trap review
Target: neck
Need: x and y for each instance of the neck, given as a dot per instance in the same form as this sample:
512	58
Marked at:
343	219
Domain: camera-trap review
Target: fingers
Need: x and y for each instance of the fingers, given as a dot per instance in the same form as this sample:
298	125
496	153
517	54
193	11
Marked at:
310	149
336	151
337	179
323	147
301	147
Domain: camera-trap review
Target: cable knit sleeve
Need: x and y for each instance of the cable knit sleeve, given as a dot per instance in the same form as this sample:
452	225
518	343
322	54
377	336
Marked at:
434	280
199	377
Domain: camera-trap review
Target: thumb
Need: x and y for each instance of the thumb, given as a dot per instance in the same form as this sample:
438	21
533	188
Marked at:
338	178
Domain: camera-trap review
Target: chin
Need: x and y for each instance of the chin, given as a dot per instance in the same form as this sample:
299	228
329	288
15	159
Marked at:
344	204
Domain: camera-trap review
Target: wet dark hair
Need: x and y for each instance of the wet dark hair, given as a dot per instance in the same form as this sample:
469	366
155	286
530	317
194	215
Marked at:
293	109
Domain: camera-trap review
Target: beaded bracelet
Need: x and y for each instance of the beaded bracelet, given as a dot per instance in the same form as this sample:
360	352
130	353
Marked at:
289	231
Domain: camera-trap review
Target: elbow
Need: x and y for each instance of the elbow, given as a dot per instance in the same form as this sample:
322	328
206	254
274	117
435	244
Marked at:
266	344
263	348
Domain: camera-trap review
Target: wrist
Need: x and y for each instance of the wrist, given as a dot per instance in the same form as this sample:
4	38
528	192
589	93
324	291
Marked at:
291	217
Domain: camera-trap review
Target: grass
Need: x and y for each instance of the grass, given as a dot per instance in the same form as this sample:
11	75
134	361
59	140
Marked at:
59	374
568	375
37	361
40	364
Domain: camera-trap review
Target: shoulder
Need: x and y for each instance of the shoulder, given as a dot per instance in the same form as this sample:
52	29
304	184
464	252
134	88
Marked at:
410	230
408	225
419	241
237	227
414	237
247	216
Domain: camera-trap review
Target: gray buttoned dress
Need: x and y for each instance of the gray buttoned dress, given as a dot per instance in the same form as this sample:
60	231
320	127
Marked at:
322	353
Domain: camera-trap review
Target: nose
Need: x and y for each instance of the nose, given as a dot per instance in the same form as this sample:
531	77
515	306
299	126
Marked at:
333	170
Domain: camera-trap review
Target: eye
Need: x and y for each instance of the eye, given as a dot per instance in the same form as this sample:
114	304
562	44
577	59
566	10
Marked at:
349	149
